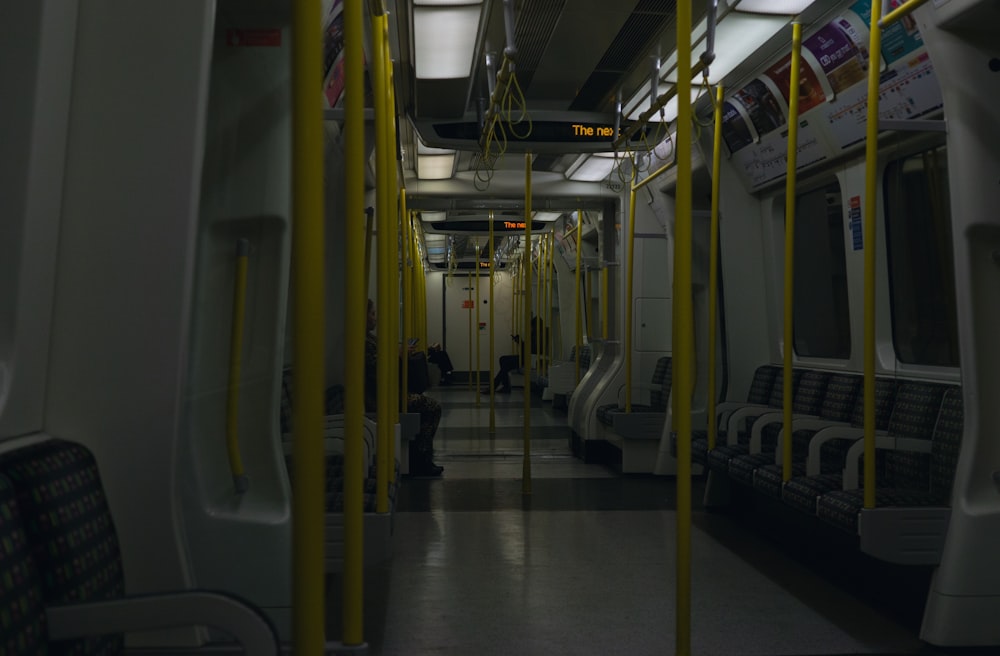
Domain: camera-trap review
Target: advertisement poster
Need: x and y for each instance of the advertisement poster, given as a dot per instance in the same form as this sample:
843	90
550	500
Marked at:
735	130
333	54
811	93
839	55
761	106
899	39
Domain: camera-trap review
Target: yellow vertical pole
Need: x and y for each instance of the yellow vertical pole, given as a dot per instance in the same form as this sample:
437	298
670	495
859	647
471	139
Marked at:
526	335
307	288
386	366
493	261
790	180
393	246
682	322
369	233
406	280
579	314
479	365
472	380
713	268
518	327
629	273
543	254
550	277
871	215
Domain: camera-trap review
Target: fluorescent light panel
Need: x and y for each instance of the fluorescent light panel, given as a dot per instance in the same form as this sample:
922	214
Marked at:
444	40
435	167
783	7
593	168
433	217
546	216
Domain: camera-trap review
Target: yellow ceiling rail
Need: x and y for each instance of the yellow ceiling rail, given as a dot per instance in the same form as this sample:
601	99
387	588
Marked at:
788	389
308	612
899	12
654	175
713	269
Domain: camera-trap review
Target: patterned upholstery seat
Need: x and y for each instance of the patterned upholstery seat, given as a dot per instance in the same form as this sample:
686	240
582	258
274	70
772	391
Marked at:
59	552
68	524
908	479
658	396
760	392
838	400
22	612
719	457
914	410
809	394
802	491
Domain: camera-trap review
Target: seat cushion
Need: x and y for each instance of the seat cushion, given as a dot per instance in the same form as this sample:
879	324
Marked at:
742	468
719	457
768	479
802	491
841	507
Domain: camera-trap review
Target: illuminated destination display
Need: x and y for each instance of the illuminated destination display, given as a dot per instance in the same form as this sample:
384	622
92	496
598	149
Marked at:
597	131
514	225
543	131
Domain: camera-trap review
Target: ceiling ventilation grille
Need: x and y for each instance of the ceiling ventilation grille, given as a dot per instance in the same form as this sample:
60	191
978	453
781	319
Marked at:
630	46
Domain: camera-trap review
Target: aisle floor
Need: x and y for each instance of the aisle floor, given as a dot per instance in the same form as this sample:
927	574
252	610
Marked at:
585	563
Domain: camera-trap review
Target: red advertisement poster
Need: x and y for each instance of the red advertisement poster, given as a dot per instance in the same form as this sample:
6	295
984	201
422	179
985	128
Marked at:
810	91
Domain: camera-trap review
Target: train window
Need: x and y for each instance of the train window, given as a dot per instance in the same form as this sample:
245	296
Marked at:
821	325
920	260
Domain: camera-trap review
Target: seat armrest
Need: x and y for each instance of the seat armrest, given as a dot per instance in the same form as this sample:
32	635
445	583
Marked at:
825	435
724	409
805	422
219	610
852	466
756	434
741	414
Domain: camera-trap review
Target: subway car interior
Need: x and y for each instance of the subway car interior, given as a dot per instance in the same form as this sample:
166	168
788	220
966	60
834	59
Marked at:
500	326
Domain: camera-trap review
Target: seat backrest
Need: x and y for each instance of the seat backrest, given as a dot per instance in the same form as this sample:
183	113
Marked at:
777	396
809	391
585	357
945	443
885	395
76	546
760	387
841	392
914	414
662	380
22	610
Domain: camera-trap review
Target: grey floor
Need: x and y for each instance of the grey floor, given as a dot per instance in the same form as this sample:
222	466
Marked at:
584	564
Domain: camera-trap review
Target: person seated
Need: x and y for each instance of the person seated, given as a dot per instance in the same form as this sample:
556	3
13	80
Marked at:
508	363
437	355
422	446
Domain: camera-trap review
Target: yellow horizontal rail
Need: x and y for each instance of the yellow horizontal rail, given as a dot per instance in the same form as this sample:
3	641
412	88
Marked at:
900	11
